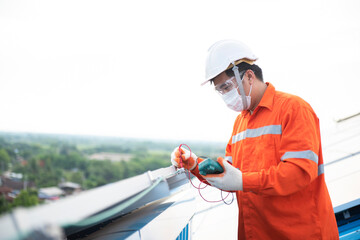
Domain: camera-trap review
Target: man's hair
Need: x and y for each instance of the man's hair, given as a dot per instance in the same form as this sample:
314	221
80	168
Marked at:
243	66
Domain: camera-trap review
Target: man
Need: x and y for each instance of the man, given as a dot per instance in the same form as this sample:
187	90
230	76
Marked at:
273	160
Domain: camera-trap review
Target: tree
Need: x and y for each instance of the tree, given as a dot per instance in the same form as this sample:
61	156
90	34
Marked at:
5	206
26	199
4	159
77	177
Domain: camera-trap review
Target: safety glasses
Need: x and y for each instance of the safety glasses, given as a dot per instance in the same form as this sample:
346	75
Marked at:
226	86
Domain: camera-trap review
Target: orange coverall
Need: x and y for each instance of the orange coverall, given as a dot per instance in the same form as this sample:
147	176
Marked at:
278	150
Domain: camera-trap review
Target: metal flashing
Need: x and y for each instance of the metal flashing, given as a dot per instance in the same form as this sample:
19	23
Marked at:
98	203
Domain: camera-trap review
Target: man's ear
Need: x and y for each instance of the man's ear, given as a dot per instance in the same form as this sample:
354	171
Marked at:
250	76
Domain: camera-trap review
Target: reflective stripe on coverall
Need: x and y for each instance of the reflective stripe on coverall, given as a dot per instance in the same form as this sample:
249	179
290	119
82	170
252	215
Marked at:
278	149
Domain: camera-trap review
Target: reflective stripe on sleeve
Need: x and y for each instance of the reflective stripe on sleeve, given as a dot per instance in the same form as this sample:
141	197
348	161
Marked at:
228	158
320	169
308	154
257	132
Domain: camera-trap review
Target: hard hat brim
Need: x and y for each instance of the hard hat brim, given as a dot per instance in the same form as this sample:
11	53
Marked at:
248	61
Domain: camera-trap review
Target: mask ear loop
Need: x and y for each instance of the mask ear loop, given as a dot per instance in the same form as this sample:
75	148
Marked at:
250	90
239	81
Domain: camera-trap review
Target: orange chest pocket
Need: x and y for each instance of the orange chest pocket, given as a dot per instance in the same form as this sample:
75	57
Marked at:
256	153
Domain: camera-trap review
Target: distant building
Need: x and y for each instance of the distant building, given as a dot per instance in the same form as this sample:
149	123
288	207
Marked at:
50	194
11	184
15	182
70	188
7	193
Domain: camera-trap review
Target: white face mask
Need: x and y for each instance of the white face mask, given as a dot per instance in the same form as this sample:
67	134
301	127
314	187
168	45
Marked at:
234	101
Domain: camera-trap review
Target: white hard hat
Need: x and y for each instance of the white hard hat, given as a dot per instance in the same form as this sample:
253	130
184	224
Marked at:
223	53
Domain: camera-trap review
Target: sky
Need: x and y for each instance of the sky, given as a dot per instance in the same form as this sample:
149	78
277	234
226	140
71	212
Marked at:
134	68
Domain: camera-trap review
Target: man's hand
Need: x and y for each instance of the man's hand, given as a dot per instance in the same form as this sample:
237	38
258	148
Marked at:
189	161
229	180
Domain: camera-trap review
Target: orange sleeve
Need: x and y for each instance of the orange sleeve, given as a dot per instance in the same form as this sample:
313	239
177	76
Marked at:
299	153
228	155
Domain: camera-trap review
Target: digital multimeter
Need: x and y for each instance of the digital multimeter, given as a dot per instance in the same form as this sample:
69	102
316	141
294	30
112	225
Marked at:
209	166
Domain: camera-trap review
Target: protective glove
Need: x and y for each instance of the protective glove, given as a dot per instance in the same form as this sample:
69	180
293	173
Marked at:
189	161
229	180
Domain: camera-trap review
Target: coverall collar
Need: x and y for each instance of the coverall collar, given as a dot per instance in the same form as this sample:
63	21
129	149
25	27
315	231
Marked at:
267	99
